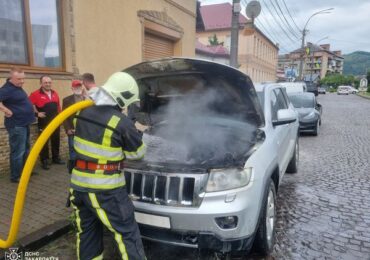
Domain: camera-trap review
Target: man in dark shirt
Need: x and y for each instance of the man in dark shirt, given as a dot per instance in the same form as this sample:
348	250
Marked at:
19	115
47	107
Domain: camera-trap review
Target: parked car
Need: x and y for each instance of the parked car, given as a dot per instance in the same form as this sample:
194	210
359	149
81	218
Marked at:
309	112
321	90
343	90
215	157
352	90
312	87
294	87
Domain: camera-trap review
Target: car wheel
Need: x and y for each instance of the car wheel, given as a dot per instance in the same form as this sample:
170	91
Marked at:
316	131
265	236
293	164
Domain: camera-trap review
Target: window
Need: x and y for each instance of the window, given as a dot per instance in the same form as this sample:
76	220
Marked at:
277	102
30	33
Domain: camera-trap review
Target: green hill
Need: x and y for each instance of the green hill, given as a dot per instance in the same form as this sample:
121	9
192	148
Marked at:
356	63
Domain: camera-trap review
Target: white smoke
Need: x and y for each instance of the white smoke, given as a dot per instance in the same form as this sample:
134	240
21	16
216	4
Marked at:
198	126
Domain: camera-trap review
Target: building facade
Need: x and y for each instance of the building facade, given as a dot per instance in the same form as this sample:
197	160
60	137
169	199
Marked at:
66	38
217	53
257	54
319	61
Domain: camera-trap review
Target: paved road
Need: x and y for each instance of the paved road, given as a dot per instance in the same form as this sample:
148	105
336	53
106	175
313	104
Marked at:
324	210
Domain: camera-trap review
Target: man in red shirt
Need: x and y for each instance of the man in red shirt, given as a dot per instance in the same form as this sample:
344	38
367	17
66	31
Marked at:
47	106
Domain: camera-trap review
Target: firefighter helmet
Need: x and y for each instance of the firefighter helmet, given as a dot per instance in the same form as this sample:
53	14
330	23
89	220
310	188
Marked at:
123	88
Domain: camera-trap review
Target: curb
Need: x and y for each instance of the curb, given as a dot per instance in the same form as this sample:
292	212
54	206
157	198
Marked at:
366	97
40	237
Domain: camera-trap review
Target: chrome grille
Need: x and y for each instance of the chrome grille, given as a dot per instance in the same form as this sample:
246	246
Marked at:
172	189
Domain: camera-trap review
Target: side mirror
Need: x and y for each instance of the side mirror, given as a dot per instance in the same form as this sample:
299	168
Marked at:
285	116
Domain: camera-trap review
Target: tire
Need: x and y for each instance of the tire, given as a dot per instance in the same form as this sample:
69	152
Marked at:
293	164
316	131
265	236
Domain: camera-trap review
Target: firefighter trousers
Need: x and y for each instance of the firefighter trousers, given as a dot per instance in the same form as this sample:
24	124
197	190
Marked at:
112	209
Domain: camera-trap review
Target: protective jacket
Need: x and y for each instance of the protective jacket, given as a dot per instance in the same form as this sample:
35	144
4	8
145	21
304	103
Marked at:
104	136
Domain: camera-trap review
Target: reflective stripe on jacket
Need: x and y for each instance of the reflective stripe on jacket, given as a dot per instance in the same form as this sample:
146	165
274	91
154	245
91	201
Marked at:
104	135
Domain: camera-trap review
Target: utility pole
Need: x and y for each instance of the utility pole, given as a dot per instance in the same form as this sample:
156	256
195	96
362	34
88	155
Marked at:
234	34
304	31
302	55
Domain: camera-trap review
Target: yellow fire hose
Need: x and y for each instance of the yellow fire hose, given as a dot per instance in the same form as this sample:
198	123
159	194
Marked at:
30	163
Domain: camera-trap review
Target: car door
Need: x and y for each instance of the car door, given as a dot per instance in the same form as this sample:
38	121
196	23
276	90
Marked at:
283	132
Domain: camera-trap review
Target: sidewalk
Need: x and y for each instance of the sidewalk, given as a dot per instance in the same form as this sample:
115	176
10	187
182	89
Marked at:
45	200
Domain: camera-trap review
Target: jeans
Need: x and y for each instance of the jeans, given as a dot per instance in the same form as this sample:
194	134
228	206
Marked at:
19	142
72	152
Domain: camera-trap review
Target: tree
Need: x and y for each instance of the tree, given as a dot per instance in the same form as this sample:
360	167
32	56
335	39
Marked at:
337	79
368	81
213	40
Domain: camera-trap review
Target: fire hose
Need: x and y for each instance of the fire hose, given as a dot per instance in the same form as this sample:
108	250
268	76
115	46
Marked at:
30	163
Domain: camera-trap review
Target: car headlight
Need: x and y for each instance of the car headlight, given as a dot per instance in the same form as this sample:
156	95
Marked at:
227	179
310	115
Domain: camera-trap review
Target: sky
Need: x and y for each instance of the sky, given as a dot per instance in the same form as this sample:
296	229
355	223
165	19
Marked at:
346	28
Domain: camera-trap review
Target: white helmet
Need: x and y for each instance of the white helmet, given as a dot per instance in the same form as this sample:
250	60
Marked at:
123	88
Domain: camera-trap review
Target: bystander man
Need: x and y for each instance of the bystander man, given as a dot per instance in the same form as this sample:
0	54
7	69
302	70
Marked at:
77	96
18	112
47	106
88	80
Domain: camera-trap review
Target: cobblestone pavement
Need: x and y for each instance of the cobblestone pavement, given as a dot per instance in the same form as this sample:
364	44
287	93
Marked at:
324	209
45	200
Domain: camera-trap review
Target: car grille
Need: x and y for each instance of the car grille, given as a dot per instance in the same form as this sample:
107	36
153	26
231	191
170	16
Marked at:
172	189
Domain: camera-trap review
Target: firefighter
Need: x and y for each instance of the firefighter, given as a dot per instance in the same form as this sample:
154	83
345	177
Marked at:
104	137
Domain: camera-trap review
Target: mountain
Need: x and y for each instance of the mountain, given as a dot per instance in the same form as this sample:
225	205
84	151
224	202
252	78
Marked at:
356	63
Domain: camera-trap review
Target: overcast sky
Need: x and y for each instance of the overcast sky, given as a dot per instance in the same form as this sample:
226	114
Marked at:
347	26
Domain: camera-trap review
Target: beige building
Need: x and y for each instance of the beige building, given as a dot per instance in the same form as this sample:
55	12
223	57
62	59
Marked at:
319	60
79	36
257	54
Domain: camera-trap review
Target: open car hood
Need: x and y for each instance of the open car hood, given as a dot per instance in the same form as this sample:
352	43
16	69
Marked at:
201	114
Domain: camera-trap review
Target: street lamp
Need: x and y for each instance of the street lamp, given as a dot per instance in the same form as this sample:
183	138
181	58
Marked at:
304	31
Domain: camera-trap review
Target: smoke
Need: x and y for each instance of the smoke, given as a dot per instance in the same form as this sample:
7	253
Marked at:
201	126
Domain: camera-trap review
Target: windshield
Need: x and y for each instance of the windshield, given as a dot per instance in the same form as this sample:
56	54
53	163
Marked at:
302	101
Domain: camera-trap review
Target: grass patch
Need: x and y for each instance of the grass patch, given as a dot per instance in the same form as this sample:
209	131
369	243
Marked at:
364	94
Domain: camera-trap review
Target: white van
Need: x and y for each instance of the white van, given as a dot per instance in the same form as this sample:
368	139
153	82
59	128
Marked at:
294	87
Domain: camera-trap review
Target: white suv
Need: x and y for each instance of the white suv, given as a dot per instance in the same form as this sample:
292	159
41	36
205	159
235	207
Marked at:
215	156
343	90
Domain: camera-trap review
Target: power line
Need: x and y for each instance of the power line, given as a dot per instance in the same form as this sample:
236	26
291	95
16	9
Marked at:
292	30
270	36
273	32
291	17
277	22
283	40
270	32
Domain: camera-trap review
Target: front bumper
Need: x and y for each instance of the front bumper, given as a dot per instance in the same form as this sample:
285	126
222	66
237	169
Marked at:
200	240
197	227
307	126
